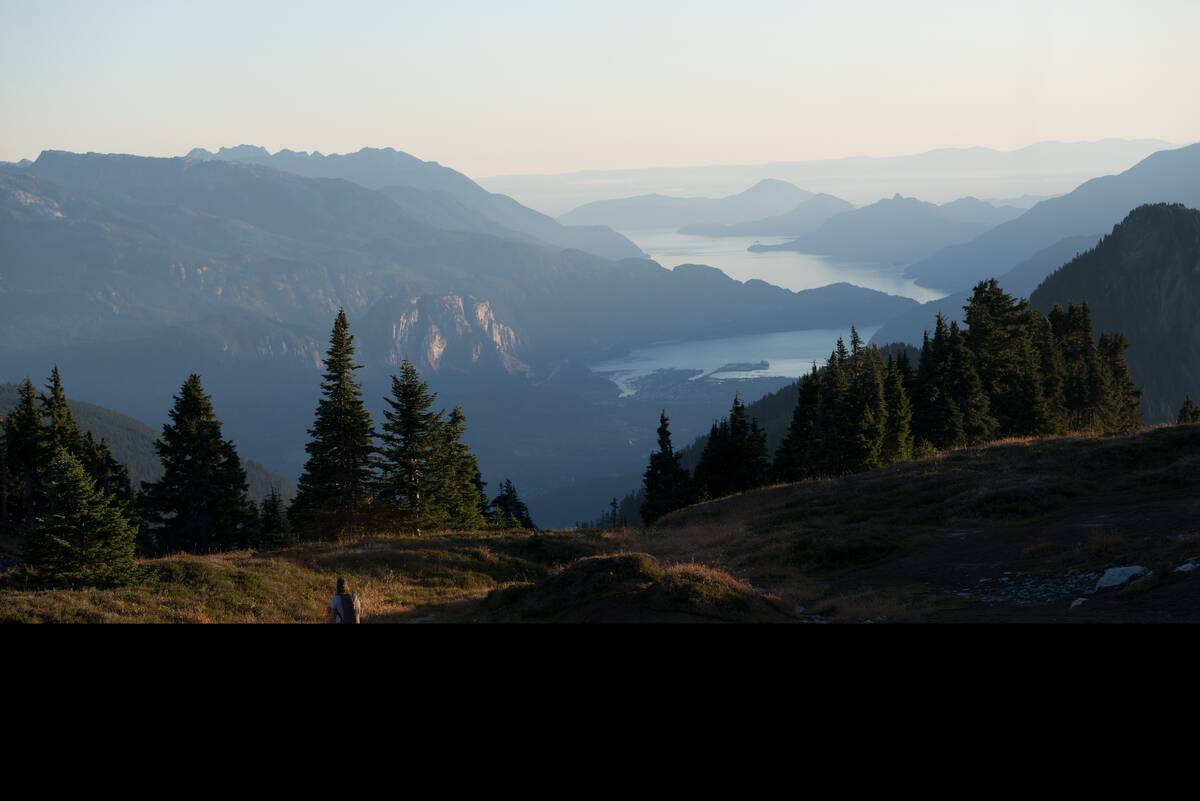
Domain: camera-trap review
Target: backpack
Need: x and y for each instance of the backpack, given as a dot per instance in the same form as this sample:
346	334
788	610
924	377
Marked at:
348	605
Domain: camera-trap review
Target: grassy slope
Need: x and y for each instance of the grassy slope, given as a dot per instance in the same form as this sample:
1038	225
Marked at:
1016	531
920	540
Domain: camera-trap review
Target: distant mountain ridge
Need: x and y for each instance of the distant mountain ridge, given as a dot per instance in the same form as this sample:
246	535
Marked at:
1041	169
130	272
899	230
399	174
804	219
647	212
1171	176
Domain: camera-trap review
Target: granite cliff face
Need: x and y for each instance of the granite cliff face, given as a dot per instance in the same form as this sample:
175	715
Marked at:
445	334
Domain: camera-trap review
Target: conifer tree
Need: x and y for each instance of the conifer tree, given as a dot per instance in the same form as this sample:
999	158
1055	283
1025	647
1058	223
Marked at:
998	337
735	458
868	398
508	511
273	528
199	505
61	430
898	438
668	487
967	391
1122	405
412	436
1190	413
25	444
84	538
796	458
1052	419
460	488
335	487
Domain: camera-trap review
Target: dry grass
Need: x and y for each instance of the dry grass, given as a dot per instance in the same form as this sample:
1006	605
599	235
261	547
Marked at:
394	576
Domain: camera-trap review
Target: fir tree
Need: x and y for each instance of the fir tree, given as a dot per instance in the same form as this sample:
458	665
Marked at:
61	430
1051	420
84	539
335	487
898	438
25	445
508	511
199	505
998	338
273	528
668	487
1190	413
1122	405
796	458
735	458
869	402
967	391
412	436
460	487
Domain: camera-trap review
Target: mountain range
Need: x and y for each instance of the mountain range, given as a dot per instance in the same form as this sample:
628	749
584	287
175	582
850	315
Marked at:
897	231
767	198
804	219
436	195
1046	168
1171	176
130	273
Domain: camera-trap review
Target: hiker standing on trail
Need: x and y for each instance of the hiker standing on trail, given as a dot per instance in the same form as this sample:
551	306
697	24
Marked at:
344	608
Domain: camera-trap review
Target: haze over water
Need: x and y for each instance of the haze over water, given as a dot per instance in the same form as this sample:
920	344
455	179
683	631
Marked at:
790	270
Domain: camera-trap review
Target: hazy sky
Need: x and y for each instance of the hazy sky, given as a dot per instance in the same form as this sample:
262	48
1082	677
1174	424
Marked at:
514	86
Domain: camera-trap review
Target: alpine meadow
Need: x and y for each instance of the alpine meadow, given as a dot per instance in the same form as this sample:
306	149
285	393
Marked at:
599	314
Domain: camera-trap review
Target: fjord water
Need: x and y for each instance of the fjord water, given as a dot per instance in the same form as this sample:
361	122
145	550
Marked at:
790	355
790	270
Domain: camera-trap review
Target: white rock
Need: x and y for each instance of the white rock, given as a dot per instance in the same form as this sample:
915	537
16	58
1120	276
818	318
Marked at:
1079	603
1120	576
1190	567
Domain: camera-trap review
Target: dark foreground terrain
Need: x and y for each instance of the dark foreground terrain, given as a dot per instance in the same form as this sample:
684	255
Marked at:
1017	532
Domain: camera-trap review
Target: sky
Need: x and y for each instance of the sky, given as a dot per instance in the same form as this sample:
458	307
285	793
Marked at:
536	86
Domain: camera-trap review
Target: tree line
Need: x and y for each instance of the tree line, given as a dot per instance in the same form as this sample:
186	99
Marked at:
1010	372
80	522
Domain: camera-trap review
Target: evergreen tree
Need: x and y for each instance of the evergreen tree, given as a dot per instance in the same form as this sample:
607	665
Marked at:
898	438
508	511
273	528
335	487
409	479
25	445
998	337
1190	413
668	487
967	391
735	458
836	426
84	539
460	487
1051	419
60	431
199	505
796	458
1122	405
869	402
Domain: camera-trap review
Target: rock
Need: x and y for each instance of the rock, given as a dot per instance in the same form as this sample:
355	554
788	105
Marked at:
1120	576
1080	602
1190	567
